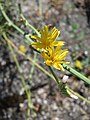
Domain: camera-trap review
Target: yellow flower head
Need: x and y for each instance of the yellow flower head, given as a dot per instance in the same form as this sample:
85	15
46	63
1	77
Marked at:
47	39
55	56
22	48
78	64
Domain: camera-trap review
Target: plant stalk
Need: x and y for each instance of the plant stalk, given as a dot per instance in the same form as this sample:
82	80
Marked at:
79	75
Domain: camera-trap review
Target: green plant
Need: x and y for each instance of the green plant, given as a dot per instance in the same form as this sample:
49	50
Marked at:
62	87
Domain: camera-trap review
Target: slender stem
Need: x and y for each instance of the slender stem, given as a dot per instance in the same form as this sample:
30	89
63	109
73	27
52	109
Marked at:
28	24
28	93
60	84
75	93
57	80
13	25
79	75
26	21
32	67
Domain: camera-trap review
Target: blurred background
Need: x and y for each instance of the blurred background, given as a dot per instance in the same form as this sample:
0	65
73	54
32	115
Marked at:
72	18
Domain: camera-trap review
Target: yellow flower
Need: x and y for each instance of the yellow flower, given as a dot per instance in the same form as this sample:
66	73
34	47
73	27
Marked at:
22	48
47	39
78	64
55	56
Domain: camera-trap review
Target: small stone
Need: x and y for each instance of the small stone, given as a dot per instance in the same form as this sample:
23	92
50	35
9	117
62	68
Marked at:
3	63
65	78
45	102
40	91
56	118
39	100
54	107
74	96
86	52
21	91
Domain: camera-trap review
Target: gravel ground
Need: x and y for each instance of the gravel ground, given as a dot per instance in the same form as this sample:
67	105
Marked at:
48	102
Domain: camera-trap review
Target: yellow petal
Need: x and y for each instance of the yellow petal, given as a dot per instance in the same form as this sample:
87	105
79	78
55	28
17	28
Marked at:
36	38
55	35
62	54
58	66
46	30
49	62
44	55
51	32
37	44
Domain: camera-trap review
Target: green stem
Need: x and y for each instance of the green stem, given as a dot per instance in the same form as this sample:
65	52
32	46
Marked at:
65	88
57	80
37	51
28	24
13	25
75	93
32	67
28	93
79	75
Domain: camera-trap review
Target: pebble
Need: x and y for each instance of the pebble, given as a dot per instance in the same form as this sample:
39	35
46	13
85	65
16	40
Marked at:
45	102
39	100
40	91
3	63
65	78
54	106
56	118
